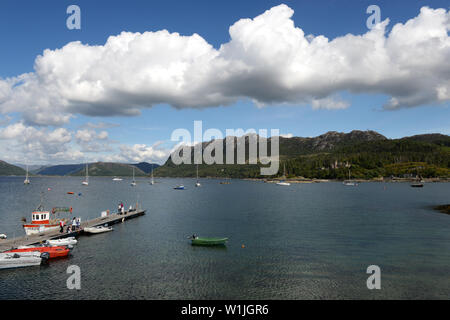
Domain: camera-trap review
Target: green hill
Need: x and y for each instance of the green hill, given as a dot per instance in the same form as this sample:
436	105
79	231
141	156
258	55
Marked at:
367	154
7	169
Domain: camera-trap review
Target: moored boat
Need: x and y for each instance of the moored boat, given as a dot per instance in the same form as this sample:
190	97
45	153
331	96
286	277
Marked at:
62	242
23	259
204	241
282	182
98	229
27	180
180	187
42	222
86	180
417	185
54	252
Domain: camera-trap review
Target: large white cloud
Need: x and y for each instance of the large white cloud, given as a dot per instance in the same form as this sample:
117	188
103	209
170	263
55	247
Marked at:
267	60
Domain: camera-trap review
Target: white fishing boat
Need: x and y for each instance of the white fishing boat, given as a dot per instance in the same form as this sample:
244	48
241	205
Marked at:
22	259
282	182
62	242
197	184
43	221
133	183
27	180
98	229
86	180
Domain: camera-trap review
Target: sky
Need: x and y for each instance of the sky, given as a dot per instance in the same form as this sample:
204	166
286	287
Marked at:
117	88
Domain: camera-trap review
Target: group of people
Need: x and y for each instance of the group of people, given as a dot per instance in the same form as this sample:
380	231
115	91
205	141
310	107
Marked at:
74	226
121	208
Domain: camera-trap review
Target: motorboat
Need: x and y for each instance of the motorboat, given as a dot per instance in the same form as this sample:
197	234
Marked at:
54	252
23	259
283	183
117	179
180	187
98	229
62	242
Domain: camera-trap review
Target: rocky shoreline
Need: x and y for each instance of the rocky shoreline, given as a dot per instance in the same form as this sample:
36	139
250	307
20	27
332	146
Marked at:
443	208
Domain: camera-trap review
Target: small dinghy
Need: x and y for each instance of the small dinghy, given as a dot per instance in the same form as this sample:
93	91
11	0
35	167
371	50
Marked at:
180	187
62	242
98	229
54	252
23	259
202	241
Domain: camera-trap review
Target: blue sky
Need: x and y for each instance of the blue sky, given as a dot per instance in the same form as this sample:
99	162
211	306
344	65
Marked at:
27	28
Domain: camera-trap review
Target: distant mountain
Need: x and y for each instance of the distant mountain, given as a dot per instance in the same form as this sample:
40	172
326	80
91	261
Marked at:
60	170
31	168
7	169
146	167
330	156
110	169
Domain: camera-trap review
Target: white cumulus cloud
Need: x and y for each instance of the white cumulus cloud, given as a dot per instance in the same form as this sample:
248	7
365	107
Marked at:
268	60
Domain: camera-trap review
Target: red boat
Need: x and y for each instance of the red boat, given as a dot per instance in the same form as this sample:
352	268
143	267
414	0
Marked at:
54	252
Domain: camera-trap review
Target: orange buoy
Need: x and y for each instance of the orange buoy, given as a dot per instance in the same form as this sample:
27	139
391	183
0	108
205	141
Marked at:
70	192
243	246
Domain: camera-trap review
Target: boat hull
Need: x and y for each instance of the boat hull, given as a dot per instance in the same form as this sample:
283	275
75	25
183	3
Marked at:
95	230
209	241
20	260
62	242
31	229
54	252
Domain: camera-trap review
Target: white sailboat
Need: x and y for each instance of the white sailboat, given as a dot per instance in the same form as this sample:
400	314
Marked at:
133	183
282	182
86	181
27	180
197	184
152	181
349	182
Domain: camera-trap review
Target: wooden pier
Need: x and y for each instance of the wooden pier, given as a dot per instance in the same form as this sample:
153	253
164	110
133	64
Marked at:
110	219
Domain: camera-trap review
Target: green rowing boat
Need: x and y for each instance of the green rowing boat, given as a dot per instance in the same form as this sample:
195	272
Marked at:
199	241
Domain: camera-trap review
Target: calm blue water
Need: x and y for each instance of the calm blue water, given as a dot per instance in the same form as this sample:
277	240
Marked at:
306	241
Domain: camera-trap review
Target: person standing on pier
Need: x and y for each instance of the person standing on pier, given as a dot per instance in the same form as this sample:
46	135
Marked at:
61	226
